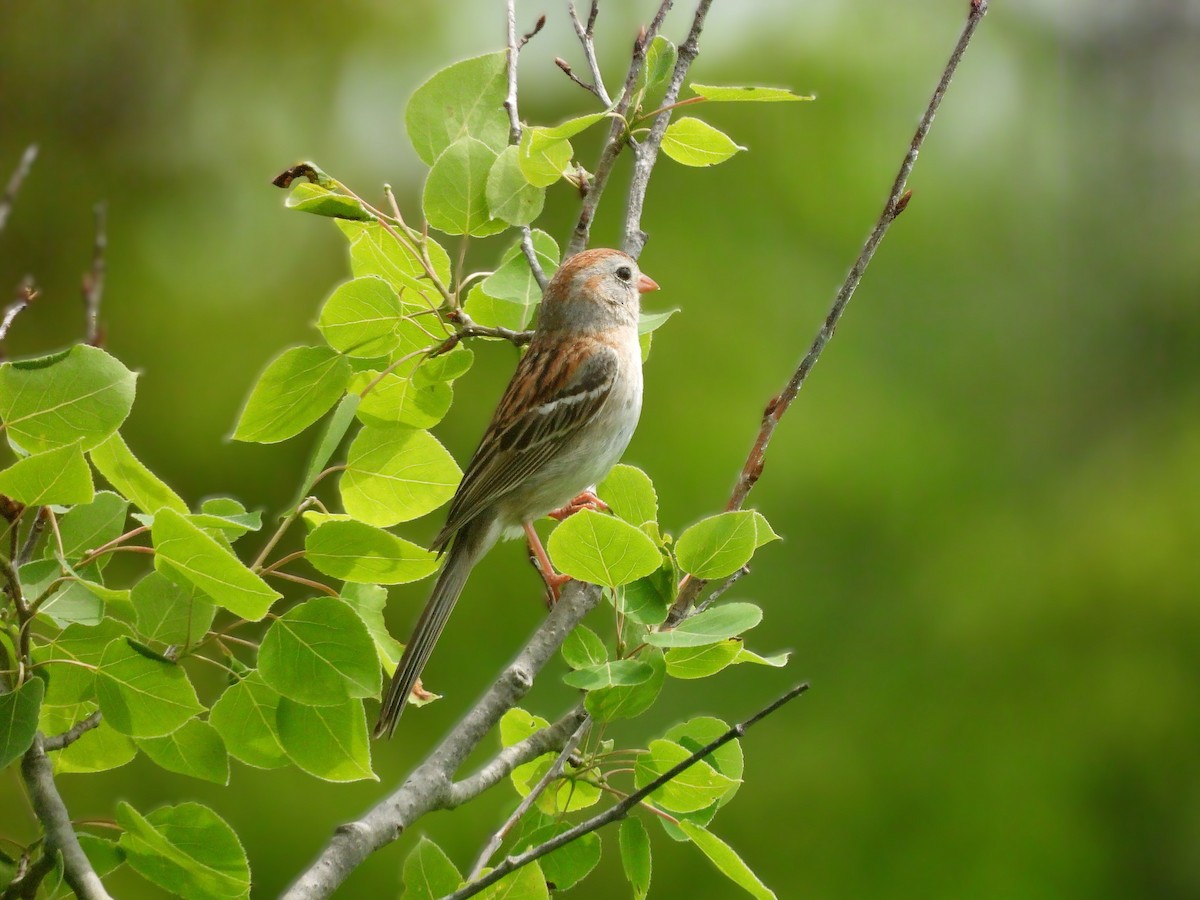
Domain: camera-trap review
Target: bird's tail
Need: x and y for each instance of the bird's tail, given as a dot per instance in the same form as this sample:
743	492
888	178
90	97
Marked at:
465	551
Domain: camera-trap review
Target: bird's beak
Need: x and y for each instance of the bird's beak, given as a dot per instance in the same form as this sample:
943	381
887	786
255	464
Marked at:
646	284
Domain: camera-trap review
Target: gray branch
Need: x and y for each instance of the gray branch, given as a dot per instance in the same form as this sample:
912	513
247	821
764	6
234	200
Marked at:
514	126
60	835
633	238
430	786
67	738
14	183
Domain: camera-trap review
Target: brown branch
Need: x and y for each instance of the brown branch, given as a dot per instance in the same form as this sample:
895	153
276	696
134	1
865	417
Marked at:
20	173
633	238
614	813
617	135
897	201
468	329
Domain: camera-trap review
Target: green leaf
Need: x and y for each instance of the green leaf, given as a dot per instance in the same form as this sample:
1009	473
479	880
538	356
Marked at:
187	849
104	855
719	545
630	494
297	388
692	789
321	201
700	662
368	602
601	549
660	63
777	661
244	717
455	197
545	164
727	861
395	474
186	555
91	525
171	613
75	602
225	516
319	653
648	600
510	197
695	143
582	648
526	883
514	285
652	321
763	532
465	99
716	94
364	318
57	476
635	856
195	749
376	251
19	720
332	432
608	704
715	624
543	137
396	400
515	726
361	553
445	367
143	697
570	864
329	742
99	750
616	673
81	394
132	479
428	872
82	647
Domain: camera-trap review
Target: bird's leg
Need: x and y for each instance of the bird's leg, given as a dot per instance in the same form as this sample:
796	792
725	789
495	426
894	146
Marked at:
586	500
541	562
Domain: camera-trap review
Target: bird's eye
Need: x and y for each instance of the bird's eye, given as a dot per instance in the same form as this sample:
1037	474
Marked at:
624	273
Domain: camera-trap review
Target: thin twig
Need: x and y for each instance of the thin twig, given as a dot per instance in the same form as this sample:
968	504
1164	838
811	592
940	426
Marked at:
93	279
585	33
612	814
897	201
469	330
15	181
527	802
34	535
633	238
26	293
617	136
74	733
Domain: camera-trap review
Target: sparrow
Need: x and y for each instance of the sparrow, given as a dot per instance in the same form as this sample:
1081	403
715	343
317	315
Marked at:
562	423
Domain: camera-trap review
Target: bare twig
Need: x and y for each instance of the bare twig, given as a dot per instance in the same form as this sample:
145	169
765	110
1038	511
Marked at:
429	786
38	776
614	813
34	535
27	292
527	802
617	135
633	238
585	33
93	279
74	733
514	127
897	200
15	181
469	329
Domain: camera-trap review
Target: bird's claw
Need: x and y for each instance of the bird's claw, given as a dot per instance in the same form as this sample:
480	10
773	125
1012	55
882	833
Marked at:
586	500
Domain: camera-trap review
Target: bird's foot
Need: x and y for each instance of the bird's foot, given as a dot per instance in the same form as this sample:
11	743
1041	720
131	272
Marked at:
586	500
541	561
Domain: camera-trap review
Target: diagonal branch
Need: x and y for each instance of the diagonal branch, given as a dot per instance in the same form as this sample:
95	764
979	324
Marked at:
897	200
429	787
614	813
15	181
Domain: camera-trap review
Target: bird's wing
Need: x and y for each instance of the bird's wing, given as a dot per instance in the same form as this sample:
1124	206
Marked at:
554	392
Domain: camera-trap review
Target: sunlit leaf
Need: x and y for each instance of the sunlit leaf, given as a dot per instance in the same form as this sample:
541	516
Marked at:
717	94
187	849
464	99
602	549
244	717
321	201
57	476
364	554
510	196
297	388
132	479
395	474
727	861
607	704
195	749
614	673
428	872
715	624
635	856
19	719
329	742
630	494
455	197
143	697
694	788
695	143
582	648
718	546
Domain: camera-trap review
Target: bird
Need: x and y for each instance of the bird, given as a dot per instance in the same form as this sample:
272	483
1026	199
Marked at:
562	423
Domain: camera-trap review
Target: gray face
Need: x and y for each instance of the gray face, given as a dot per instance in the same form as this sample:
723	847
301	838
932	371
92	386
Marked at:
594	291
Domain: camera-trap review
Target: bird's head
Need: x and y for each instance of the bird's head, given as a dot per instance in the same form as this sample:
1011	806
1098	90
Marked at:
595	290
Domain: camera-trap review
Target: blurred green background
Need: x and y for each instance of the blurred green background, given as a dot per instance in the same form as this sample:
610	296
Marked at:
990	488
